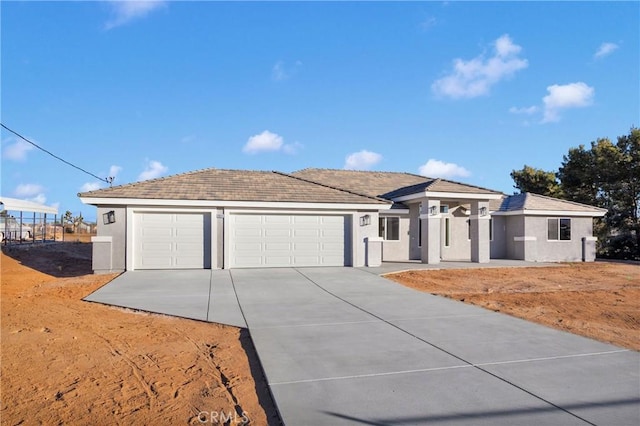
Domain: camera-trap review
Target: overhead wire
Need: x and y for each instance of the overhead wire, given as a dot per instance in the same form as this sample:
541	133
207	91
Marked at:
108	180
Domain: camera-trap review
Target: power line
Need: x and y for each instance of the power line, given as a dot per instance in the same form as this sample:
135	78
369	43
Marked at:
108	180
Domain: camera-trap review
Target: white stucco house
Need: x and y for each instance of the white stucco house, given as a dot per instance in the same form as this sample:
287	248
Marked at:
217	218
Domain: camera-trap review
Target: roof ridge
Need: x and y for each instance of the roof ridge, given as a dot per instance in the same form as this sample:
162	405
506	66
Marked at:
357	171
331	187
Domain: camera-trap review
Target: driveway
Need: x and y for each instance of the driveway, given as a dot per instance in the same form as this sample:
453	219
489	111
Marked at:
343	346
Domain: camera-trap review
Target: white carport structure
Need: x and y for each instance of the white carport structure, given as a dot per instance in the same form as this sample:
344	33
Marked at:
21	207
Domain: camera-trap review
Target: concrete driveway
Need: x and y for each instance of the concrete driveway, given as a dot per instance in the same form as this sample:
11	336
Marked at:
343	346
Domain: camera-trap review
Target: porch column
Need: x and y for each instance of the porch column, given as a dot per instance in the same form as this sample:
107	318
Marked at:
480	245
430	219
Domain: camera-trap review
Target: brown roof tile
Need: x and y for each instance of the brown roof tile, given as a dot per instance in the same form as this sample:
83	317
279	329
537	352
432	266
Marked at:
387	184
234	185
529	201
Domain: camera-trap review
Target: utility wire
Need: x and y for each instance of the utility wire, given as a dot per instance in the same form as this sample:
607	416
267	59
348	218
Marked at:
108	180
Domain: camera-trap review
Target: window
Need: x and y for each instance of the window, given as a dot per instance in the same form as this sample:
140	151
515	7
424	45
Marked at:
389	228
419	232
558	229
444	208
469	229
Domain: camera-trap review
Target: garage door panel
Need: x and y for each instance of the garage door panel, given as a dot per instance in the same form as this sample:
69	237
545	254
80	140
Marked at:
287	240
169	241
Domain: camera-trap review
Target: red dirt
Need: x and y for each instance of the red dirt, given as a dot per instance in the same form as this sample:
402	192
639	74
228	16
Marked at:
65	361
599	300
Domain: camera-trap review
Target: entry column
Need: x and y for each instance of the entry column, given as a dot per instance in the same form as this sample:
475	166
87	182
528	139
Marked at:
480	244
430	219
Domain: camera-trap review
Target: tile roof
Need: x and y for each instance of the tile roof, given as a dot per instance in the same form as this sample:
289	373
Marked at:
386	184
234	185
530	201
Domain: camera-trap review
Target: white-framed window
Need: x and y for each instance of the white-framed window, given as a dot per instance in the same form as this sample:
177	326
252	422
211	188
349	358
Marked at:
558	229
444	208
389	228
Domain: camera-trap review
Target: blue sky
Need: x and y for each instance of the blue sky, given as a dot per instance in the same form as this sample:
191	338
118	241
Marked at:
463	90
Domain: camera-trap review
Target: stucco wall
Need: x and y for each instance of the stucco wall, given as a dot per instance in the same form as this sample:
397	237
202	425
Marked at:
117	232
514	228
360	233
395	251
459	244
559	251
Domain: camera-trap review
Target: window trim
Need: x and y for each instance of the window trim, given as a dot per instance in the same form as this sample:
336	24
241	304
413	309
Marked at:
559	229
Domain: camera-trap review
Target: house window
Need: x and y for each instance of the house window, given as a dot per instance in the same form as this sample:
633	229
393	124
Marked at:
468	229
447	232
444	208
389	228
558	229
419	232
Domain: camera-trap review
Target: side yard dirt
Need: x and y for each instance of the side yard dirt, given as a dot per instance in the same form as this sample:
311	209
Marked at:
600	300
65	361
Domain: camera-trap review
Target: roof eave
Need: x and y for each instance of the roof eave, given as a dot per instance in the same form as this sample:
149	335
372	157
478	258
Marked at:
449	195
528	212
101	201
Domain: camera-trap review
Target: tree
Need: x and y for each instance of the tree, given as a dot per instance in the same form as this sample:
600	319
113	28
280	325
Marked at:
605	175
608	175
537	181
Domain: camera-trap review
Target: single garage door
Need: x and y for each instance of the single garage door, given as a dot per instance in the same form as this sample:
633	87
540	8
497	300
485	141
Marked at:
169	241
287	240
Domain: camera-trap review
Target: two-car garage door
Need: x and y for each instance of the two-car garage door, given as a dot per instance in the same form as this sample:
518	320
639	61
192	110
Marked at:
183	240
278	240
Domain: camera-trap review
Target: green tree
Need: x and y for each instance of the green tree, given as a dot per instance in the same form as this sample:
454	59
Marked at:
608	175
538	181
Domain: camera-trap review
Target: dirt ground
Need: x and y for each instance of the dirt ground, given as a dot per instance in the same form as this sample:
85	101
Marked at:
599	300
65	361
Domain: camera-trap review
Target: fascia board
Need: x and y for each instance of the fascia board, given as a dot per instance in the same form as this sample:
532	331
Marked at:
227	204
567	213
448	195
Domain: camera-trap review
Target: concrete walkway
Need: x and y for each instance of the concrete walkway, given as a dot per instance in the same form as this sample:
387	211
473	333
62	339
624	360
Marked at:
343	346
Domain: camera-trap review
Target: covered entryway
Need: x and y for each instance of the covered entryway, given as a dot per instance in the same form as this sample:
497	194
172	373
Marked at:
171	241
285	240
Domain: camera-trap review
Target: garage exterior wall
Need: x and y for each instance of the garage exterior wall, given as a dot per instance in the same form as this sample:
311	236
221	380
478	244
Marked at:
109	249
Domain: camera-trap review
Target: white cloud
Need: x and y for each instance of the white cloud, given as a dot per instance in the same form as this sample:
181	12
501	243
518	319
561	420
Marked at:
153	170
28	189
270	142
292	148
440	169
90	186
281	71
605	49
30	192
265	141
125	11
17	151
39	198
524	110
362	160
114	170
475	77
572	95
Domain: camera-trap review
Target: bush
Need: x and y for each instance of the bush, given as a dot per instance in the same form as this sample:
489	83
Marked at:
620	247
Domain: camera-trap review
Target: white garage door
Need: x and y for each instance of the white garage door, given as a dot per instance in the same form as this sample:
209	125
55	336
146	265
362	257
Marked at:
286	240
169	241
